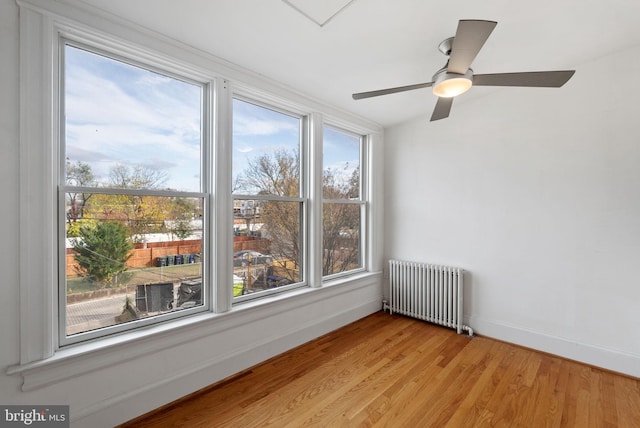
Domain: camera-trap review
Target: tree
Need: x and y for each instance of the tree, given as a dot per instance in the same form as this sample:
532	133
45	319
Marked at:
102	250
143	214
182	211
79	175
340	222
181	229
278	174
354	183
73	229
136	177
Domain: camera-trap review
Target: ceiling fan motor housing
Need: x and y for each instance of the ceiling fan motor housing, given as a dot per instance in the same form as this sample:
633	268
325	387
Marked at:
449	85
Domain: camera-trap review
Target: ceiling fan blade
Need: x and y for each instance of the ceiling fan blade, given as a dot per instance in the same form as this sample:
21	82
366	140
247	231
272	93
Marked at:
541	79
379	92
442	109
469	39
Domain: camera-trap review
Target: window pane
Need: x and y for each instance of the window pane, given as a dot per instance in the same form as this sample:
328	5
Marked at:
128	126
267	250
130	257
267	231
341	237
266	151
341	170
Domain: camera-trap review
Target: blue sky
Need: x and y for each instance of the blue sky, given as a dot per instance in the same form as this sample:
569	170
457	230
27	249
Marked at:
122	114
341	152
258	130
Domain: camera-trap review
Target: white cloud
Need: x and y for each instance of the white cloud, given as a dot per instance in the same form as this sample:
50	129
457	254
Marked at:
151	120
251	126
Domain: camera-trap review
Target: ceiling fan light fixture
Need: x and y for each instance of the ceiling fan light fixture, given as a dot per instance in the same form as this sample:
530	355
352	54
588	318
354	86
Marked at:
456	77
448	85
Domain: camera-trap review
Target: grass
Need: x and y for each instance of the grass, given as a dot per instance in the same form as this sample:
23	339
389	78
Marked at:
138	276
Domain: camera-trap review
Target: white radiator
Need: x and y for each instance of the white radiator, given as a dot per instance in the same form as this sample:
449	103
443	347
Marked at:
428	292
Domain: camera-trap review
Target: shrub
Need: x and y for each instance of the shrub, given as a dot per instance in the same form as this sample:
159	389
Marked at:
103	250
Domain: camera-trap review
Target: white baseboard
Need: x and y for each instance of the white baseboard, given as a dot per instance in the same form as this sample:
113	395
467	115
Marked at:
593	355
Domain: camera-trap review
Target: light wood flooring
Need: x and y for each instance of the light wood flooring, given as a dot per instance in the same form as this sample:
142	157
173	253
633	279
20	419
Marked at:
392	371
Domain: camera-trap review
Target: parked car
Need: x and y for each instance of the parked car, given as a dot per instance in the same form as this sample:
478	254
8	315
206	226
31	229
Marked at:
241	258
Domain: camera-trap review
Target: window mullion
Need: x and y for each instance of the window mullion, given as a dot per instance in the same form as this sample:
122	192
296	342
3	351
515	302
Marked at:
314	180
373	192
222	239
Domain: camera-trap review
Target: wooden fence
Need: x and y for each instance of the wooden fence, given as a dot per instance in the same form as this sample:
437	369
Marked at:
146	255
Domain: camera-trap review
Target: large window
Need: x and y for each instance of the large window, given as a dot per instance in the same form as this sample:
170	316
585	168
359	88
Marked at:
161	189
136	162
268	199
343	202
132	198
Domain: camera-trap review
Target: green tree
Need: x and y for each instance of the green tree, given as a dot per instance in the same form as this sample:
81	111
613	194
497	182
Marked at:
102	250
73	229
181	229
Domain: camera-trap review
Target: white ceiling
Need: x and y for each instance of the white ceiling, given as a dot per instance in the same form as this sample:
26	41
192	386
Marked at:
374	44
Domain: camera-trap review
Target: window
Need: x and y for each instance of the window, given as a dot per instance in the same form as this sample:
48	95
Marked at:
343	203
103	153
268	199
132	197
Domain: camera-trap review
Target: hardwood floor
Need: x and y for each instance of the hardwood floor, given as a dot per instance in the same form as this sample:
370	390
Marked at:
392	371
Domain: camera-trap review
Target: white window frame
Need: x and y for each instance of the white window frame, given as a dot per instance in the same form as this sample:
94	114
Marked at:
42	302
303	191
364	142
41	360
206	117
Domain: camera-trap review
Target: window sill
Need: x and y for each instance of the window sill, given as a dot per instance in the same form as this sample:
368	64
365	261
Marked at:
82	358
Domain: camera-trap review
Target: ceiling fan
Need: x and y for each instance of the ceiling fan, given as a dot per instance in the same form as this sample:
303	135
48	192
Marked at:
456	77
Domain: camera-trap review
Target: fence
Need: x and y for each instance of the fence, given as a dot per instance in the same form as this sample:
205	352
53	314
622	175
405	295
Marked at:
145	255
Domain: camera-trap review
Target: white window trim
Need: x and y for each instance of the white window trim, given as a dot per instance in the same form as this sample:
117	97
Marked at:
41	363
362	201
207	85
308	122
38	159
73	37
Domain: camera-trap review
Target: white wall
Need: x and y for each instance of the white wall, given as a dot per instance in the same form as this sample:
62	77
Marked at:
9	226
107	386
536	192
